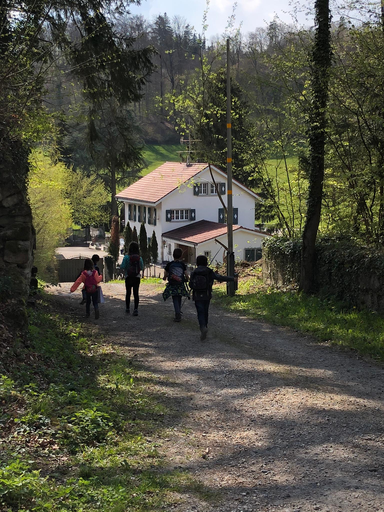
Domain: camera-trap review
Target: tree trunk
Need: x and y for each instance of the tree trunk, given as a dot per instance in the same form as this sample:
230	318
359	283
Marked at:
113	192
321	63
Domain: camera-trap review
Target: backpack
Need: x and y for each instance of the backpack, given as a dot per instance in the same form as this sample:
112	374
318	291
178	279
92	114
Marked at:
200	283
176	273
90	281
133	269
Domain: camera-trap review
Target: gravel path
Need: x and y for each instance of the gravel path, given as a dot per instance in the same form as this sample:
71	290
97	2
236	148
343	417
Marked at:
271	420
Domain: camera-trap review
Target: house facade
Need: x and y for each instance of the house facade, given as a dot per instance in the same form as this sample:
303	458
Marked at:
183	204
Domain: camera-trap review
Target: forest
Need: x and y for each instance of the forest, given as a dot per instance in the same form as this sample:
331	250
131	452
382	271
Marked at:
83	94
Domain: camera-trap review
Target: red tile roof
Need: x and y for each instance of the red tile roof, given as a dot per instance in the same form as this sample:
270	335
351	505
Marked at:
202	231
160	182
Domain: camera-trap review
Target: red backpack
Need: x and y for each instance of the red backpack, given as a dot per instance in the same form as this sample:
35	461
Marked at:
90	281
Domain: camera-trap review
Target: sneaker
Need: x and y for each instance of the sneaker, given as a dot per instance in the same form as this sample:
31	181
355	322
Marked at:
97	314
177	318
135	312
127	311
83	301
204	331
87	315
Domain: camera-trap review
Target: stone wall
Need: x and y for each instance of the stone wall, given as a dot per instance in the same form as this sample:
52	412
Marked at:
17	235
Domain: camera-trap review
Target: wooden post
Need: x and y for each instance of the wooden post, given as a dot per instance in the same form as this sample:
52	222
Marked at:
231	256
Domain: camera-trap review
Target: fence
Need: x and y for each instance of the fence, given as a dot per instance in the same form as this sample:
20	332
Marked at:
69	270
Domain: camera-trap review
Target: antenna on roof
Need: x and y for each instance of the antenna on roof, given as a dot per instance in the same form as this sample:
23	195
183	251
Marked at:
189	150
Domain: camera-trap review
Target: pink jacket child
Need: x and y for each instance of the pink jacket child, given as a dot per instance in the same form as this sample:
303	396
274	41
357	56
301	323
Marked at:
91	278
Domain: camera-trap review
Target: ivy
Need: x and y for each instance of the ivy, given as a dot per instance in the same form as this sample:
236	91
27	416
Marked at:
344	269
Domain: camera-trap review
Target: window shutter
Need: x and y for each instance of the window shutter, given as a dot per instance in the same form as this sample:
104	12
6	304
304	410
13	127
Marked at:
196	189
221	187
154	216
149	215
221	215
144	214
235	216
168	215
192	215
134	213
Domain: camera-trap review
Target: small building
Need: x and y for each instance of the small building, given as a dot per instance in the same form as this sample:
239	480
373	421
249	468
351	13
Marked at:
184	204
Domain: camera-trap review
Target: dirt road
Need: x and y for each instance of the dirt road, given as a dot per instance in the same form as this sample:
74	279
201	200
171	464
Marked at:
272	421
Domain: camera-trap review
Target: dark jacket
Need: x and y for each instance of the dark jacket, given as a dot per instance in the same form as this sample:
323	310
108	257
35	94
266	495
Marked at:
211	278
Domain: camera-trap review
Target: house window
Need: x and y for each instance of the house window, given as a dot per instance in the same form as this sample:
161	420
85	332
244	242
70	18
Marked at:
205	189
169	250
208	255
130	212
200	189
149	215
134	213
180	215
252	254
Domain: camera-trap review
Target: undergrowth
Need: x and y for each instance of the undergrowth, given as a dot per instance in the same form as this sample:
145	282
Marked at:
80	424
326	319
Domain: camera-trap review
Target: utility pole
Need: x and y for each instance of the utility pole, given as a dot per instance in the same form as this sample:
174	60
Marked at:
230	254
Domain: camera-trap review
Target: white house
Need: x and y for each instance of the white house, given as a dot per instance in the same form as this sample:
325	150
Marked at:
179	201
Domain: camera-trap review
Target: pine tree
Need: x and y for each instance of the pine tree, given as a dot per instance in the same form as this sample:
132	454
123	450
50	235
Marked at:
143	243
154	248
135	238
127	237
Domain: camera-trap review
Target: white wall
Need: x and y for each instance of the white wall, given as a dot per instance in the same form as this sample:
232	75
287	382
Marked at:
241	240
207	207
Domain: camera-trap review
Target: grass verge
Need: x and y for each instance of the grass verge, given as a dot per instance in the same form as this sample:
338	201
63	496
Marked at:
156	155
326	319
81	424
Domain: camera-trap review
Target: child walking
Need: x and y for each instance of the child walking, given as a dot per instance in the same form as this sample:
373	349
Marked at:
176	273
132	265
91	278
95	259
201	283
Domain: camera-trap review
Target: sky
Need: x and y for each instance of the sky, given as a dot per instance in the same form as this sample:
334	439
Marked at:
250	14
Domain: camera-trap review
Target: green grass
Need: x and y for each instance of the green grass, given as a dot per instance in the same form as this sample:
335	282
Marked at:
327	320
81	424
156	155
279	164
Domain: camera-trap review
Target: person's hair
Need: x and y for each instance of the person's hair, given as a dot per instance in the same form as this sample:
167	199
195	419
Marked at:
88	264
177	253
95	258
201	261
133	248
